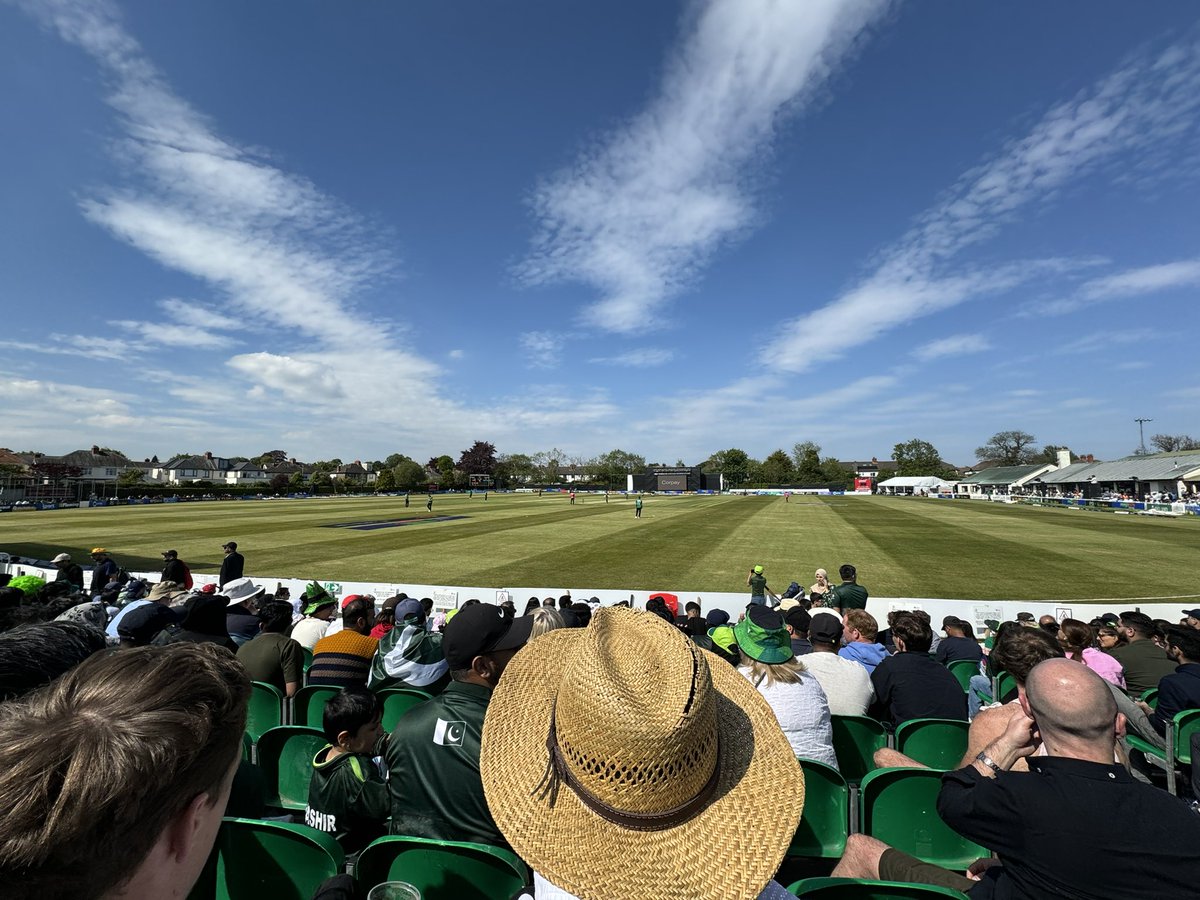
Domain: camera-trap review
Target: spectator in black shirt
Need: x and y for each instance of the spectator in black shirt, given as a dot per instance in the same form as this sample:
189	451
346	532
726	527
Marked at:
232	566
1182	690
959	643
910	685
1047	825
797	619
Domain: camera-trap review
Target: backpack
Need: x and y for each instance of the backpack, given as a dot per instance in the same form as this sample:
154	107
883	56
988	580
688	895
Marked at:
187	577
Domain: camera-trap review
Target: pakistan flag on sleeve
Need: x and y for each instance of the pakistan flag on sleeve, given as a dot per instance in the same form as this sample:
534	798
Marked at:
409	656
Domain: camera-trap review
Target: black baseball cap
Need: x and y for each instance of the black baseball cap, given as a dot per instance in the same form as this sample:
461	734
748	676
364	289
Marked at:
1194	613
482	628
232	545
825	629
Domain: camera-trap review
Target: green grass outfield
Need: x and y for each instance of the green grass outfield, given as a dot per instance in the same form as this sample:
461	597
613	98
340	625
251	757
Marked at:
902	547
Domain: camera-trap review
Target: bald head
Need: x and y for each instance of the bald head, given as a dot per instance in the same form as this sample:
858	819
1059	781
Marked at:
1071	703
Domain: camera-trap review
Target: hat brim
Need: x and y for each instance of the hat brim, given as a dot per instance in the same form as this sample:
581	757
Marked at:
517	635
753	816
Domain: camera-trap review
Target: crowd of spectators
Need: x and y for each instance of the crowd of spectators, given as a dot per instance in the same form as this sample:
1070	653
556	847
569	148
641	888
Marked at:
575	726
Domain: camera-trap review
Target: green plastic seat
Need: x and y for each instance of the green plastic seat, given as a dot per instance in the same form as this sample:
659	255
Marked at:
963	670
308	705
308	657
442	870
826	820
247	748
276	860
855	740
863	889
1150	698
285	755
265	711
1003	684
937	743
1178	750
396	702
899	807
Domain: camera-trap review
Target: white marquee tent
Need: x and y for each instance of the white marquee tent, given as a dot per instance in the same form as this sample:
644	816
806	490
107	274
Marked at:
914	484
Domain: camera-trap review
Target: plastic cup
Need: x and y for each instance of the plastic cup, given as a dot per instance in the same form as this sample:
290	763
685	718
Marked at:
394	890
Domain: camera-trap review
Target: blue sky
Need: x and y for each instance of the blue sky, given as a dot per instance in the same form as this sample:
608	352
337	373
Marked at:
356	229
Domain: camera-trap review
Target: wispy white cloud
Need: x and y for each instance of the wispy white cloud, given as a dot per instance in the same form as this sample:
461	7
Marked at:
1120	285
641	358
542	349
1141	104
955	345
638	215
1103	340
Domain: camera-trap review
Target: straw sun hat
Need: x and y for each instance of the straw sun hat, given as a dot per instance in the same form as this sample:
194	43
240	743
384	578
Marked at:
621	760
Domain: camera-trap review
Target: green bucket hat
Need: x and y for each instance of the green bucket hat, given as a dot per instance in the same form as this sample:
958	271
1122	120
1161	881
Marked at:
762	636
316	597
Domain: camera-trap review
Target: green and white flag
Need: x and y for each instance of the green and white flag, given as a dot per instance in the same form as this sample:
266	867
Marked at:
408	656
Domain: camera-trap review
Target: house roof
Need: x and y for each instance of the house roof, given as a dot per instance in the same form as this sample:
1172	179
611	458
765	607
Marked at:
8	458
881	465
354	468
211	463
1155	467
1004	474
86	459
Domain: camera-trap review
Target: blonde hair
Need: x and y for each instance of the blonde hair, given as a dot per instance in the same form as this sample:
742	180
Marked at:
545	618
772	673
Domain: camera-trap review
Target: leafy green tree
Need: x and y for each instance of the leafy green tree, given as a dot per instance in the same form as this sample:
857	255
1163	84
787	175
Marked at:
131	476
733	464
1008	448
834	473
279	482
808	467
917	457
1049	454
1171	443
386	481
479	459
548	463
393	460
409	475
320	481
514	467
296	481
777	468
802	450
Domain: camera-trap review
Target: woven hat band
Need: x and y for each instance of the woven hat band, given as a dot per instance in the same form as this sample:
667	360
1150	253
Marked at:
558	773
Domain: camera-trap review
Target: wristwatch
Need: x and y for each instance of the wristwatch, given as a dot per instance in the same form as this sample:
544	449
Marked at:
988	761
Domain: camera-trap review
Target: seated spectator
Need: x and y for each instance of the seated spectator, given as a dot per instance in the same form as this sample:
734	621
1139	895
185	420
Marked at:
32	656
1017	650
583	614
385	619
861	646
716	618
1045	824
113	778
957	644
1077	642
885	636
697	629
144	624
724	643
910	685
318	607
531	605
798	620
691	609
69	572
846	684
344	659
1180	690
433	755
408	655
273	657
241	616
1143	661
88	613
580	709
821	587
165	593
1108	636
1191	618
789	688
203	622
546	619
348	797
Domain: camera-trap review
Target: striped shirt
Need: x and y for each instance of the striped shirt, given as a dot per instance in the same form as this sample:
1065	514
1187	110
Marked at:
342	659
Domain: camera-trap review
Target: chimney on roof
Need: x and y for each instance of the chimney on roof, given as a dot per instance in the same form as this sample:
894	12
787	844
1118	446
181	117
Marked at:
1064	458
292	460
1090	458
874	460
208	454
95	448
358	462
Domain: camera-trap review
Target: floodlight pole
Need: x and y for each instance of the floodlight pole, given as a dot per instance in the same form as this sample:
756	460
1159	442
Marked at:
1142	435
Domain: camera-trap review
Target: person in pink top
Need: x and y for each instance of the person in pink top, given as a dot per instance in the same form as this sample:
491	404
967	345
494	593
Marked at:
1078	640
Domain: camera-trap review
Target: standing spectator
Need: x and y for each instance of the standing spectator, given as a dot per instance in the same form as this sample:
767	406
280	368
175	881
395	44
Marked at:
1075	637
433	755
1180	690
344	659
910	685
1145	663
957	644
241	617
789	688
175	569
861	646
273	657
849	594
104	569
232	566
759	592
846	684
319	606
68	571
